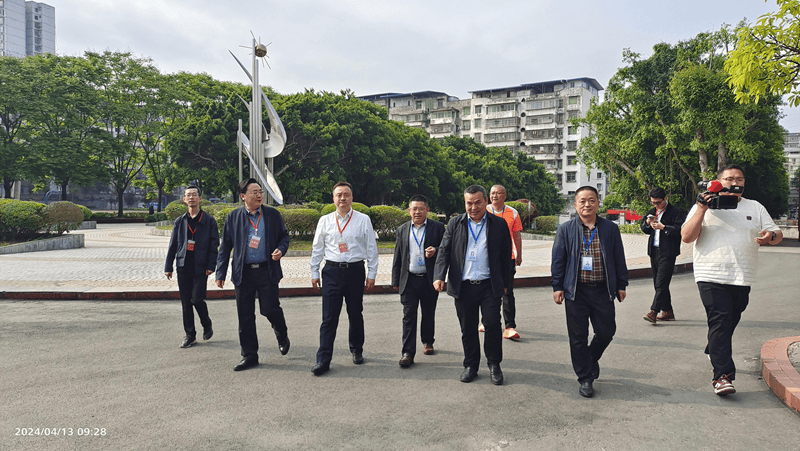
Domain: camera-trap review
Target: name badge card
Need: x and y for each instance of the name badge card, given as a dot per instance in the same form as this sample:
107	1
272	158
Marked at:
472	257
586	262
190	245
420	261
255	241
342	247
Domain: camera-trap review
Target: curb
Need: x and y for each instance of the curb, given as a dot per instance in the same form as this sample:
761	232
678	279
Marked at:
68	241
778	371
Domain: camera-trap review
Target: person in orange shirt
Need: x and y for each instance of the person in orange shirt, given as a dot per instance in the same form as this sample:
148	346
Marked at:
498	207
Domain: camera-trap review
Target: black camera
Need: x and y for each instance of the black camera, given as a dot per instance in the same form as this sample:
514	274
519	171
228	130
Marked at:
717	202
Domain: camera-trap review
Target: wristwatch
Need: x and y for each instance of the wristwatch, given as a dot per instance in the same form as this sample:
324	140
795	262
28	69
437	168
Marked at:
774	235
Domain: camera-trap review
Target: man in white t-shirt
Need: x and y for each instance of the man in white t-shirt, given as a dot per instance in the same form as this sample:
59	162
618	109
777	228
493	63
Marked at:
725	257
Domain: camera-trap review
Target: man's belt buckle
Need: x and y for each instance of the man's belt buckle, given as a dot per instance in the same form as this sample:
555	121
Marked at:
475	282
254	266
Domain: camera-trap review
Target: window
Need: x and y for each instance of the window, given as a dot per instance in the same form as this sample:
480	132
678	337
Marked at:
572	114
571	160
441	115
478	109
439	103
418	104
572	145
465	124
502	107
600	187
571	176
477	124
540	134
574	100
572	130
540	104
465	111
498	123
501	137
599	175
477	137
540	119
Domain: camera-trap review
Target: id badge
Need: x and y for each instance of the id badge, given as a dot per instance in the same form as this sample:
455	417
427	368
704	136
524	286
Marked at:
420	261
342	247
190	245
255	241
586	263
472	257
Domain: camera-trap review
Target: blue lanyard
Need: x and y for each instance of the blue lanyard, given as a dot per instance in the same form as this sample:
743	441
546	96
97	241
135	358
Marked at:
587	243
474	236
419	243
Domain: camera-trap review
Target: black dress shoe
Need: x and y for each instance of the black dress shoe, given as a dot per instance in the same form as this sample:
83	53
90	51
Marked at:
320	369
284	346
586	389
469	374
208	333
595	371
358	359
247	362
407	360
497	375
188	341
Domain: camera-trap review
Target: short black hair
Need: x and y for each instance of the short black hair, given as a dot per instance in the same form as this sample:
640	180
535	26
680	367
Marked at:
418	198
729	166
472	189
192	187
338	184
245	183
658	193
590	188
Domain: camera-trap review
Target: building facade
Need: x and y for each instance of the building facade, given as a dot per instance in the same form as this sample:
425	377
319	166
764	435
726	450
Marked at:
26	28
531	118
791	148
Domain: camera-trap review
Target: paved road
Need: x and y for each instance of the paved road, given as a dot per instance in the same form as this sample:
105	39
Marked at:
116	366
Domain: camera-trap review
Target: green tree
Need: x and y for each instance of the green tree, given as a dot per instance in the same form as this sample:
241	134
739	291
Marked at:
766	59
15	94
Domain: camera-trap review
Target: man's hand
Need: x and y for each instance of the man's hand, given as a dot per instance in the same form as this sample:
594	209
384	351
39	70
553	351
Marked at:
430	252
518	260
370	284
208	273
657	225
396	288
558	297
621	294
277	254
438	285
315	284
220	283
169	275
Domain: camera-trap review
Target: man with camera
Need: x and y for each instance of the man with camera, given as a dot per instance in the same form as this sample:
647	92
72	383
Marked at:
663	223
726	233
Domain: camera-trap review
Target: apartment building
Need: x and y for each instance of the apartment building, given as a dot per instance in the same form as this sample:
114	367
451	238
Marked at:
26	28
791	148
531	118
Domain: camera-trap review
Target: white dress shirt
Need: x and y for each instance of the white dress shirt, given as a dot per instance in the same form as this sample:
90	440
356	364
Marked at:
357	234
476	263
416	248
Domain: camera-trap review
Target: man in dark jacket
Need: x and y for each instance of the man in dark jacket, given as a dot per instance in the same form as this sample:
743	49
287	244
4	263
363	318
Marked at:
258	238
193	244
412	276
588	270
663	224
477	279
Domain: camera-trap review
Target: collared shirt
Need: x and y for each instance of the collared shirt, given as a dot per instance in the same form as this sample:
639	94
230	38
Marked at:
659	214
416	248
258	255
357	237
514	223
476	263
597	274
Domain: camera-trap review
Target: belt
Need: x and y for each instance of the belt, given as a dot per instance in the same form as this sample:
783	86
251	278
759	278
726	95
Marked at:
343	264
476	282
417	274
255	265
592	284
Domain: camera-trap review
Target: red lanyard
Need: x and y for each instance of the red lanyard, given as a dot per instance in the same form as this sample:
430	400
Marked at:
342	229
258	221
190	227
658	212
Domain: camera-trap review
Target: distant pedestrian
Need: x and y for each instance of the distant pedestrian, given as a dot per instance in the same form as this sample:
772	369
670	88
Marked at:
193	246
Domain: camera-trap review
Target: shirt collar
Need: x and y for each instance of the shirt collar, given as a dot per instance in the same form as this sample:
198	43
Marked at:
343	218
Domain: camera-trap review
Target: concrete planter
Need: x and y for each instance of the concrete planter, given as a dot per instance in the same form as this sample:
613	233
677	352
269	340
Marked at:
87	225
71	241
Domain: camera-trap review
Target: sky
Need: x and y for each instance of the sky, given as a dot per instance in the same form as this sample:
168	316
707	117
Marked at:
379	46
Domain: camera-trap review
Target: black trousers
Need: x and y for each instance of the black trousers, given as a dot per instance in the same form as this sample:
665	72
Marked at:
341	285
510	302
418	293
724	306
475	301
192	288
663	265
257	281
591	302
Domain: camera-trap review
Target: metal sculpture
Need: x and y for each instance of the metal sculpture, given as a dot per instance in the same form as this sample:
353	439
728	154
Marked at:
263	144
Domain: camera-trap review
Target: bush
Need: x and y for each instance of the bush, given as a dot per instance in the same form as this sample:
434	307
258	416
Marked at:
220	213
157	217
630	228
175	209
20	219
87	214
546	224
301	222
315	205
526	214
62	217
357	206
386	219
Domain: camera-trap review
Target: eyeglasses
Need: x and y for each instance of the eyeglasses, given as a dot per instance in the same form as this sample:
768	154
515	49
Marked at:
657	202
191	195
734	179
256	193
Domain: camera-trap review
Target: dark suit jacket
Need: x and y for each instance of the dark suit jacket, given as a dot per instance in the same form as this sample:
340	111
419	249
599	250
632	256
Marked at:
206	239
434	230
672	219
234	238
453	254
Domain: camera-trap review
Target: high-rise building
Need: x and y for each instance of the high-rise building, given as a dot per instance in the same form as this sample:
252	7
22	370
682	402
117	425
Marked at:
40	28
531	118
791	148
26	28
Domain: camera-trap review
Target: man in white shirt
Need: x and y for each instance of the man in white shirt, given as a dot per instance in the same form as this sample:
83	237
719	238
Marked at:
725	257
346	240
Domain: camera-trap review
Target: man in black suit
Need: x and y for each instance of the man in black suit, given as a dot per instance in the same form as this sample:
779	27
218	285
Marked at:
412	276
477	279
663	224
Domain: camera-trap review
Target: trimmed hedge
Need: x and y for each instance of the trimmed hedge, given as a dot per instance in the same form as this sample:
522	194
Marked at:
87	214
630	228
546	224
386	219
62	217
357	206
157	217
301	222
20	220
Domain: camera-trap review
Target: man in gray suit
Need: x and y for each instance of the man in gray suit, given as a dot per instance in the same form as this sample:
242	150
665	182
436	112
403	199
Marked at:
412	276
